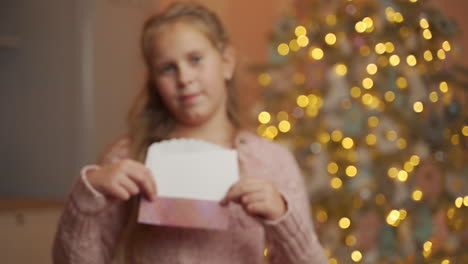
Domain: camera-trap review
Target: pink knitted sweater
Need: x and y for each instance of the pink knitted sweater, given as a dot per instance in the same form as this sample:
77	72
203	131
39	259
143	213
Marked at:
91	224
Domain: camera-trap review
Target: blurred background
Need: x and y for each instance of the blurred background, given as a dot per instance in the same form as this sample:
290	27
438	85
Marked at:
370	95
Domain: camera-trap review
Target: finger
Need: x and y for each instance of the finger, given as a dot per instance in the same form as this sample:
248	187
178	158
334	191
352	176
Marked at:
142	177
240	189
120	193
129	186
252	198
256	209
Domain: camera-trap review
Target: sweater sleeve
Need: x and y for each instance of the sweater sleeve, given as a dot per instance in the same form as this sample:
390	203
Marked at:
291	238
91	224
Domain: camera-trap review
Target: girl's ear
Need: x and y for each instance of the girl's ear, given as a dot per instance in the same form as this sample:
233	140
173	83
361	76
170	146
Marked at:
229	61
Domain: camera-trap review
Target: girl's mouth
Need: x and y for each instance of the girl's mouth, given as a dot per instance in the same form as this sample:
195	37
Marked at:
189	97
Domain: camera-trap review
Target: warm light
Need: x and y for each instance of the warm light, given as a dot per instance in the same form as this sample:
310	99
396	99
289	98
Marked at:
332	261
347	143
302	101
399	17
293	45
336	183
403	214
330	39
415	160
373	121
427	246
322	216
368	21
445	261
418	107
364	50
271	132
455	139
382	61
423	23
350	240
355	92
360	27
459	202
351	171
443	86
332	168
389	47
341	69
408	166
282	115
367	83
300	31
446	46
330	20
401	143
344	223
465	131
324	137
380	48
392	172
356	256
465	201
427	34
284	126
371	69
411	60
367	99
316	53
402	83
389	96
283	49
391	135
303	41
265	252
336	135
264	117
393	217
428	55
434	97
441	54
394	60
264	79
371	139
417	195
402	176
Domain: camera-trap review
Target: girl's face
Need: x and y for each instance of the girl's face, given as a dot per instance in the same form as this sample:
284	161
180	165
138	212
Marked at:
190	73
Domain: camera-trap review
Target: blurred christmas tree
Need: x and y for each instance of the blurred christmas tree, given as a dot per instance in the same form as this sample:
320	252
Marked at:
368	95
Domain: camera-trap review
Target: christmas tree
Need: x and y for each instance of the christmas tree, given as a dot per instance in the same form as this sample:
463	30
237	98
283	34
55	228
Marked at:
370	98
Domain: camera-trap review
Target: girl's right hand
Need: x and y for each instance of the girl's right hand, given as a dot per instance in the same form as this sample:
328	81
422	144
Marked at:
123	179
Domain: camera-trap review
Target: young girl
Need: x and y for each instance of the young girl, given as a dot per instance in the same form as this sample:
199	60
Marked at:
189	94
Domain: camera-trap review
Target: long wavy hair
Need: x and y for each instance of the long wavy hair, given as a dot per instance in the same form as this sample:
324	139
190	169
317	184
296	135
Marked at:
149	120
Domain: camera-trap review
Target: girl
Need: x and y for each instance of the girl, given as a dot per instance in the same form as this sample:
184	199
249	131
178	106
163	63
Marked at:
189	94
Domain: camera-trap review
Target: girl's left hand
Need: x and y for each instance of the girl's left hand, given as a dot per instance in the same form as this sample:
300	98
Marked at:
258	197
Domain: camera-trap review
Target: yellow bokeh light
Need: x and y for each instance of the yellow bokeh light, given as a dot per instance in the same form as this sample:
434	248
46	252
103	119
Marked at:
332	167
330	39
261	129
402	176
302	101
428	55
443	87
344	223
332	261
351	171
300	31
403	214
322	216
284	126
316	53
350	240
415	160
389	96
465	201
324	137
373	121
347	143
302	41
402	83
455	139
371	69
330	20
399	17
371	139
446	46
336	135
293	45
389	47
411	60
382	61
336	183
360	27
417	195
391	135
401	143
265	252
355	92
465	131
367	99
282	115
312	111
364	50
392	172
380	48
459	202
264	117
433	97
341	69
427	34
367	83
408	166
427	246
424	23
418	107
368	21
393	218
413	1
283	49
445	261
394	60
264	79
356	256
441	54
271	132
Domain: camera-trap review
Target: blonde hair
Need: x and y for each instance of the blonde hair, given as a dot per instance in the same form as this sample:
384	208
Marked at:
149	120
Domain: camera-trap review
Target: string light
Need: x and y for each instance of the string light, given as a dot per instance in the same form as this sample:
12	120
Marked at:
394	60
336	183
282	115
302	41
380	48
389	96
300	31
427	34
347	143
428	55
423	23
411	60
418	107
344	223
360	27
371	69
433	97
392	172
264	117
389	47
330	20
330	39
455	139
371	139
322	216
264	79
356	256
350	240
351	171
364	50
284	126
367	83
402	83
302	101
332	167
443	86
402	176
316	53
283	49
355	92
417	195
336	135
446	46
441	54
293	45
341	69
465	131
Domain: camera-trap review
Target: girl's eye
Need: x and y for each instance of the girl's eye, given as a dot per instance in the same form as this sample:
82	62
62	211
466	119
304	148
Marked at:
195	59
167	68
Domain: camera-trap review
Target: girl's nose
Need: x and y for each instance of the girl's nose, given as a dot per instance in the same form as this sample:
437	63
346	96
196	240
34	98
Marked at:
186	76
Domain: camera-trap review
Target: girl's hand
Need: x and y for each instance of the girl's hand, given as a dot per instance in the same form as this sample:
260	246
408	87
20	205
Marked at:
258	197
123	179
